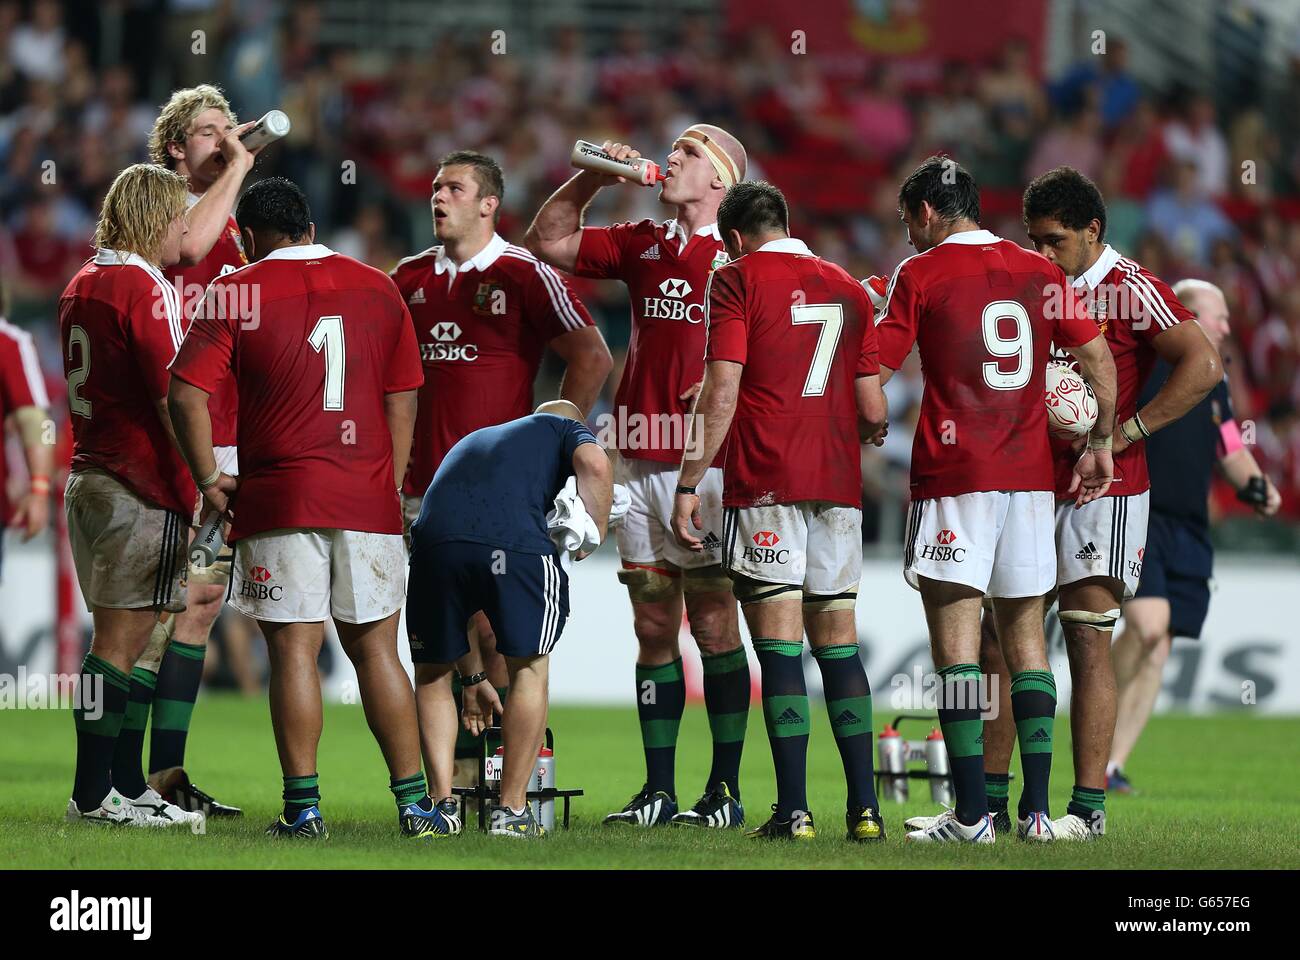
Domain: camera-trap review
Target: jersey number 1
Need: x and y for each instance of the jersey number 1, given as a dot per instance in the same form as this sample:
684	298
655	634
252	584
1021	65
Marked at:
831	317
328	334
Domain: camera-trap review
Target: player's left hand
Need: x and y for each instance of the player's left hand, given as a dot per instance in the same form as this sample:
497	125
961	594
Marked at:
691	392
1092	476
32	515
1274	501
686	513
480	703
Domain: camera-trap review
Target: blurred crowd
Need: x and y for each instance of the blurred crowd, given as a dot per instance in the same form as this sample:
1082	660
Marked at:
1195	187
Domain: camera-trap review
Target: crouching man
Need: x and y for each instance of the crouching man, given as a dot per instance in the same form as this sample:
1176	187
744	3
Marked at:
481	543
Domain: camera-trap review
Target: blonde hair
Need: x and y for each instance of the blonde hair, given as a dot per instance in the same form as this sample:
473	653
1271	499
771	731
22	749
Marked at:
173	123
139	207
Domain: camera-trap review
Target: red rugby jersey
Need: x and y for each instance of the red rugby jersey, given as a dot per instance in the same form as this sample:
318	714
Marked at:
482	327
21	385
120	326
666	274
1132	307
802	328
226	254
330	339
984	314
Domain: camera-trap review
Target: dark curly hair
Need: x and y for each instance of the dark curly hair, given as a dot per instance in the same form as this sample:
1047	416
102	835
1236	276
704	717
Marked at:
1066	196
275	206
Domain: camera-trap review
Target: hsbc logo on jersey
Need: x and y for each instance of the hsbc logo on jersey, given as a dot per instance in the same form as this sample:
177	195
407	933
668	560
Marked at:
672	305
942	550
257	585
446	333
765	549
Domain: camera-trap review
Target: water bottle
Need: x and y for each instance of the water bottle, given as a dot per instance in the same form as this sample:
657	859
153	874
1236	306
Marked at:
936	761
590	156
544	778
889	747
274	125
208	542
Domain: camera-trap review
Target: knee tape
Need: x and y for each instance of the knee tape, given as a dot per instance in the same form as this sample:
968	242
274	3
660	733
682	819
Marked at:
159	640
710	579
823	603
648	584
218	572
748	590
1101	622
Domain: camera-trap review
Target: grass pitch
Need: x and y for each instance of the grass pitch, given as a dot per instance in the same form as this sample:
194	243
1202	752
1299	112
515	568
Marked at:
1217	792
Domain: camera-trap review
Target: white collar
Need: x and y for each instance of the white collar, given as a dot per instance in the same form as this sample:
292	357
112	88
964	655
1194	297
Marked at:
480	261
674	229
972	237
104	257
190	200
785	245
1091	277
310	251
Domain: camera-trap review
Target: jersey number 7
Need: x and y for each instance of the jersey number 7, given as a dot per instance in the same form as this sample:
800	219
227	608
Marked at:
831	317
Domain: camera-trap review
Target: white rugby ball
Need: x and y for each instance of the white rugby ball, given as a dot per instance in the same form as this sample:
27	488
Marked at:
1071	404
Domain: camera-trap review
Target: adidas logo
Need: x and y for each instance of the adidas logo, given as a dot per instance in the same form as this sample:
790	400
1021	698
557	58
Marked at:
651	254
417	297
845	718
711	541
1040	736
1089	552
789	716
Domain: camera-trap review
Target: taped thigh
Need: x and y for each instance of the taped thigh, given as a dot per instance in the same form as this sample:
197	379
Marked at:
823	603
650	584
1101	622
749	590
710	579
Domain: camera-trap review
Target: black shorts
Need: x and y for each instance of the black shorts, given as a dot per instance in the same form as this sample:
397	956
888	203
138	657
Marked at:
1176	566
525	597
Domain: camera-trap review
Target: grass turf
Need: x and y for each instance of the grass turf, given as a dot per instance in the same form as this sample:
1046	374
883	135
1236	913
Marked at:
1217	792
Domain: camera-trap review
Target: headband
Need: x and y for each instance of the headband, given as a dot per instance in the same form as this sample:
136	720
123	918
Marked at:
725	167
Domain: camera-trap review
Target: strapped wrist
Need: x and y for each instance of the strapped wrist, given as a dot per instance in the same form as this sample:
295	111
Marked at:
211	478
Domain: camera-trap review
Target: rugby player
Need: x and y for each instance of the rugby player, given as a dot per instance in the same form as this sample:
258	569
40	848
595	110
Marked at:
23	398
484	311
983	313
666	268
791	368
326	368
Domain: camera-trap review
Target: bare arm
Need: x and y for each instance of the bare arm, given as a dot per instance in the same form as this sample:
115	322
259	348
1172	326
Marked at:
556	231
587	362
33	511
207	218
1096	466
873	409
399	411
185	417
595	484
1240	468
713	412
1197	369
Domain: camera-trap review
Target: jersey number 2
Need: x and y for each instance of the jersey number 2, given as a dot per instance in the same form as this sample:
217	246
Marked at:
328	334
76	379
831	317
1019	346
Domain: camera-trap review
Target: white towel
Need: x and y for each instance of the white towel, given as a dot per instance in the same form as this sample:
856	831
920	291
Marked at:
570	526
618	508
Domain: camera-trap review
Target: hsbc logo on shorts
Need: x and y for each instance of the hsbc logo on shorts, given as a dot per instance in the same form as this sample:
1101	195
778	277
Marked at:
765	549
672	305
942	550
446	333
257	585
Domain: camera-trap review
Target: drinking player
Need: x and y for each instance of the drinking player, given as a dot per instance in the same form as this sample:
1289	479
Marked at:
666	268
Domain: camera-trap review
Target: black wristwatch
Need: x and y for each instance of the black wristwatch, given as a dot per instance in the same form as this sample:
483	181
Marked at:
473	679
685	489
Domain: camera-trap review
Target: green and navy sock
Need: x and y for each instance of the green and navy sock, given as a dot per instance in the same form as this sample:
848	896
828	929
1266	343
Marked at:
103	694
848	703
179	676
409	790
128	754
1033	704
785	710
660	702
726	697
997	789
1089	805
299	794
963	735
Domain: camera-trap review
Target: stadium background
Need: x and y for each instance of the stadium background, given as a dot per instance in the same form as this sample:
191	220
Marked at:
835	102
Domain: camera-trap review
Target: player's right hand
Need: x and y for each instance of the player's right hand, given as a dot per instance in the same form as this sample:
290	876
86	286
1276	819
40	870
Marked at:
686	513
1092	476
619	151
233	150
220	494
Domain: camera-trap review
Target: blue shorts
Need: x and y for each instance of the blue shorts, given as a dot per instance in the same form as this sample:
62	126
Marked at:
525	597
1176	566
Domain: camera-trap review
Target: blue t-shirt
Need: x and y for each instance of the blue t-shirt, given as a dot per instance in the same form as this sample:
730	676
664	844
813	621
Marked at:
497	484
1181	457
